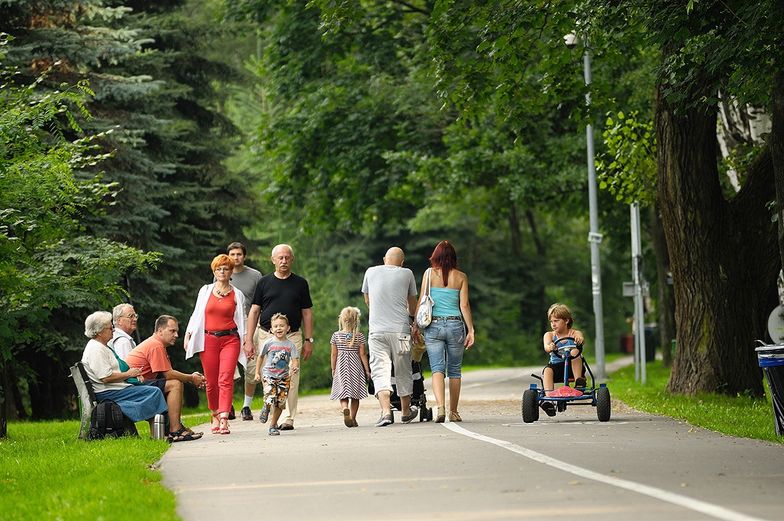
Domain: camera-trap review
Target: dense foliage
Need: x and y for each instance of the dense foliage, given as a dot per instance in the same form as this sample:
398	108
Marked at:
343	128
155	107
48	260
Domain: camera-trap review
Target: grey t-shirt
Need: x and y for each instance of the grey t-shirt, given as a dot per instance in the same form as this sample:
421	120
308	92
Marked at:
388	288
246	281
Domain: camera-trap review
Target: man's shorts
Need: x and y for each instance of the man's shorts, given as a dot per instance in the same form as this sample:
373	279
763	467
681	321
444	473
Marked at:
160	383
388	350
276	391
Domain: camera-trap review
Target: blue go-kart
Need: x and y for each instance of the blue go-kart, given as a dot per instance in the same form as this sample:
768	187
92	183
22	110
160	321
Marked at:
598	397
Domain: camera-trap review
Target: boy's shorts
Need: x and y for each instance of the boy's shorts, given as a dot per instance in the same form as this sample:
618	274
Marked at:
276	391
558	372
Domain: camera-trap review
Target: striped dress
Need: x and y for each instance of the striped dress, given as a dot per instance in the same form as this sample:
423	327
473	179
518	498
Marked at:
349	380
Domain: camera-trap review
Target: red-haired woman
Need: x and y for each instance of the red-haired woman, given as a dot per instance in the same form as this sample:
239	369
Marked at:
214	332
452	330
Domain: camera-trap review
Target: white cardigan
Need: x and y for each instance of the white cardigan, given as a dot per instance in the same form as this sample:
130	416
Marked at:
196	323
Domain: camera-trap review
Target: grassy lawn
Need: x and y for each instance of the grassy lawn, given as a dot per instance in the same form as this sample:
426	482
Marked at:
47	473
736	416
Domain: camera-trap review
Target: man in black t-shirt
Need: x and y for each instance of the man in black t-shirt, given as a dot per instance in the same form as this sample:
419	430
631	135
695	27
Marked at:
287	293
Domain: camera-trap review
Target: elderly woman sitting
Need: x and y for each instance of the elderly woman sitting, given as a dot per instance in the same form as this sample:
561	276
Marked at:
138	402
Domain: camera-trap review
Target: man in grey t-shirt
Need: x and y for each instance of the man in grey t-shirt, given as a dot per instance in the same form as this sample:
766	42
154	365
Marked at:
390	293
244	278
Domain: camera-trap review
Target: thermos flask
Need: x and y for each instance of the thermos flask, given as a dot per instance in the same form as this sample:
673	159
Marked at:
158	427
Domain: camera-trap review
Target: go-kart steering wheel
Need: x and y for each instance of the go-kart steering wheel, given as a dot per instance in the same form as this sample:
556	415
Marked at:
566	349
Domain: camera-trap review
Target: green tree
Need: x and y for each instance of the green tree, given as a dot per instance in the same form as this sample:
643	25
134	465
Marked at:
722	247
47	259
355	141
157	93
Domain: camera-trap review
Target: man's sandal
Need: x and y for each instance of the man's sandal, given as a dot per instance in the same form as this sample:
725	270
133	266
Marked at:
183	434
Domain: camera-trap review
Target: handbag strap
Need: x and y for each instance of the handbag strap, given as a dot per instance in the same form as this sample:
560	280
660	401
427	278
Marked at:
427	282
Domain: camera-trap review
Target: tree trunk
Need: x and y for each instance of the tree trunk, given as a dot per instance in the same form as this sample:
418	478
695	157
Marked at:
3	398
777	151
722	254
666	302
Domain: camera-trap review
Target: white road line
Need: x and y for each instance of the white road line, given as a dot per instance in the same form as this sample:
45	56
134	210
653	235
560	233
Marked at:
656	493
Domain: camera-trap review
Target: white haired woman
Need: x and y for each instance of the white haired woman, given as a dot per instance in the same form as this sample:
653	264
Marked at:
138	402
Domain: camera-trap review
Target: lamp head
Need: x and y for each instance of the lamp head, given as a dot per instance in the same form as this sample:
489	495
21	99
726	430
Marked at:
570	40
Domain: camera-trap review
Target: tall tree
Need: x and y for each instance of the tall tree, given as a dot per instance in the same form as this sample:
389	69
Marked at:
155	91
47	259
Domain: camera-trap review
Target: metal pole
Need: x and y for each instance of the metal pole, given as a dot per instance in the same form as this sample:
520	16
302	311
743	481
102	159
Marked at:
639	311
594	237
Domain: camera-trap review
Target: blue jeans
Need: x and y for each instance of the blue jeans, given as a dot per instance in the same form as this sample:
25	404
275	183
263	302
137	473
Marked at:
444	343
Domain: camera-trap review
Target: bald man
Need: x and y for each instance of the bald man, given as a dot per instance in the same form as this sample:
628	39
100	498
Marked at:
390	294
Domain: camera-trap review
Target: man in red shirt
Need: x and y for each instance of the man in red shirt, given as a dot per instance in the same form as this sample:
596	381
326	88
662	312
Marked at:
151	357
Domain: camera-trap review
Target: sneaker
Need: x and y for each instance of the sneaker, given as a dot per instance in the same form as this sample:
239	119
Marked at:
548	408
411	416
387	419
286	426
579	382
246	414
264	414
273	431
232	414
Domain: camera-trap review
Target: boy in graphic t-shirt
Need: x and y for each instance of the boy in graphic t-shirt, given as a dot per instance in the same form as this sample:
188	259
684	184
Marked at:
279	359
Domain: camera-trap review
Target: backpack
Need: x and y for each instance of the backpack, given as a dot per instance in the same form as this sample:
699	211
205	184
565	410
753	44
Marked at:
108	421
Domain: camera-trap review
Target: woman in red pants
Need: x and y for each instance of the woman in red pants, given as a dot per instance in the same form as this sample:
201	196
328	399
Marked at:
214	332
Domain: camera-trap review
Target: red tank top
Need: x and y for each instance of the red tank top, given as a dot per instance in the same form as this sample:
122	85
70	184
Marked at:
219	313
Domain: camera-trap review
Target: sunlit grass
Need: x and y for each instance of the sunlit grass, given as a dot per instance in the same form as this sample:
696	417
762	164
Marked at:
733	415
47	473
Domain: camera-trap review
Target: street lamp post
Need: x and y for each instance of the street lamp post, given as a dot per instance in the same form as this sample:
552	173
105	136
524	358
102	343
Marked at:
594	237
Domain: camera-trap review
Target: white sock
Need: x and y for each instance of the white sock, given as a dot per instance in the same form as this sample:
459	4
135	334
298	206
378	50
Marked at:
247	401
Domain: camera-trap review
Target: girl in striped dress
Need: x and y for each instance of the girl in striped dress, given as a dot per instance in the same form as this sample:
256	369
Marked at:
350	368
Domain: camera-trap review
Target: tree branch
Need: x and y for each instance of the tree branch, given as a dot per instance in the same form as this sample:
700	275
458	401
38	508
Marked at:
412	8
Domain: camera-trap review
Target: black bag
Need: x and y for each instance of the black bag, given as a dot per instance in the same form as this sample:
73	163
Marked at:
108	421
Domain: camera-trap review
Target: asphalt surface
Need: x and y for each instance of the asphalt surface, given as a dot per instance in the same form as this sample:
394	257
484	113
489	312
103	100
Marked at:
491	466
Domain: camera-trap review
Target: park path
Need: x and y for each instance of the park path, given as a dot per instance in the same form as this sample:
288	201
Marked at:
489	467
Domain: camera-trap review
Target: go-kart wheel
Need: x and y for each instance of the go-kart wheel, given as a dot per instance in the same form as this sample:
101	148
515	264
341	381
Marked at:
603	405
530	406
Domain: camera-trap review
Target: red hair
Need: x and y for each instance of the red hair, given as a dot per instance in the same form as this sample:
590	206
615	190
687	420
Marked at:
222	261
444	258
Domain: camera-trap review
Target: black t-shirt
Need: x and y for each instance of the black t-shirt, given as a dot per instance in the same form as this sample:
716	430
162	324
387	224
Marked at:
288	296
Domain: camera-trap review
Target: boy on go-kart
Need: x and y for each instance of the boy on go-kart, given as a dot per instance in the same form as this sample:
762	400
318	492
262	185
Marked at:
561	323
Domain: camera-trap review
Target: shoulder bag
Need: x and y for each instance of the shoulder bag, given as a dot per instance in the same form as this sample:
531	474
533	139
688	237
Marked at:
424	313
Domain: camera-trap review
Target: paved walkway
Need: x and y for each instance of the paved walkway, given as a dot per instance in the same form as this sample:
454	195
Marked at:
489	467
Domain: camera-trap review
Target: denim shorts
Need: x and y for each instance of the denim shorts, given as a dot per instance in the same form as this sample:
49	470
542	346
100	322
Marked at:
444	341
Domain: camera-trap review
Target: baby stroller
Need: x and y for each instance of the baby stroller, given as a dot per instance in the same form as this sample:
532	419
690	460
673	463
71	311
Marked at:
418	397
